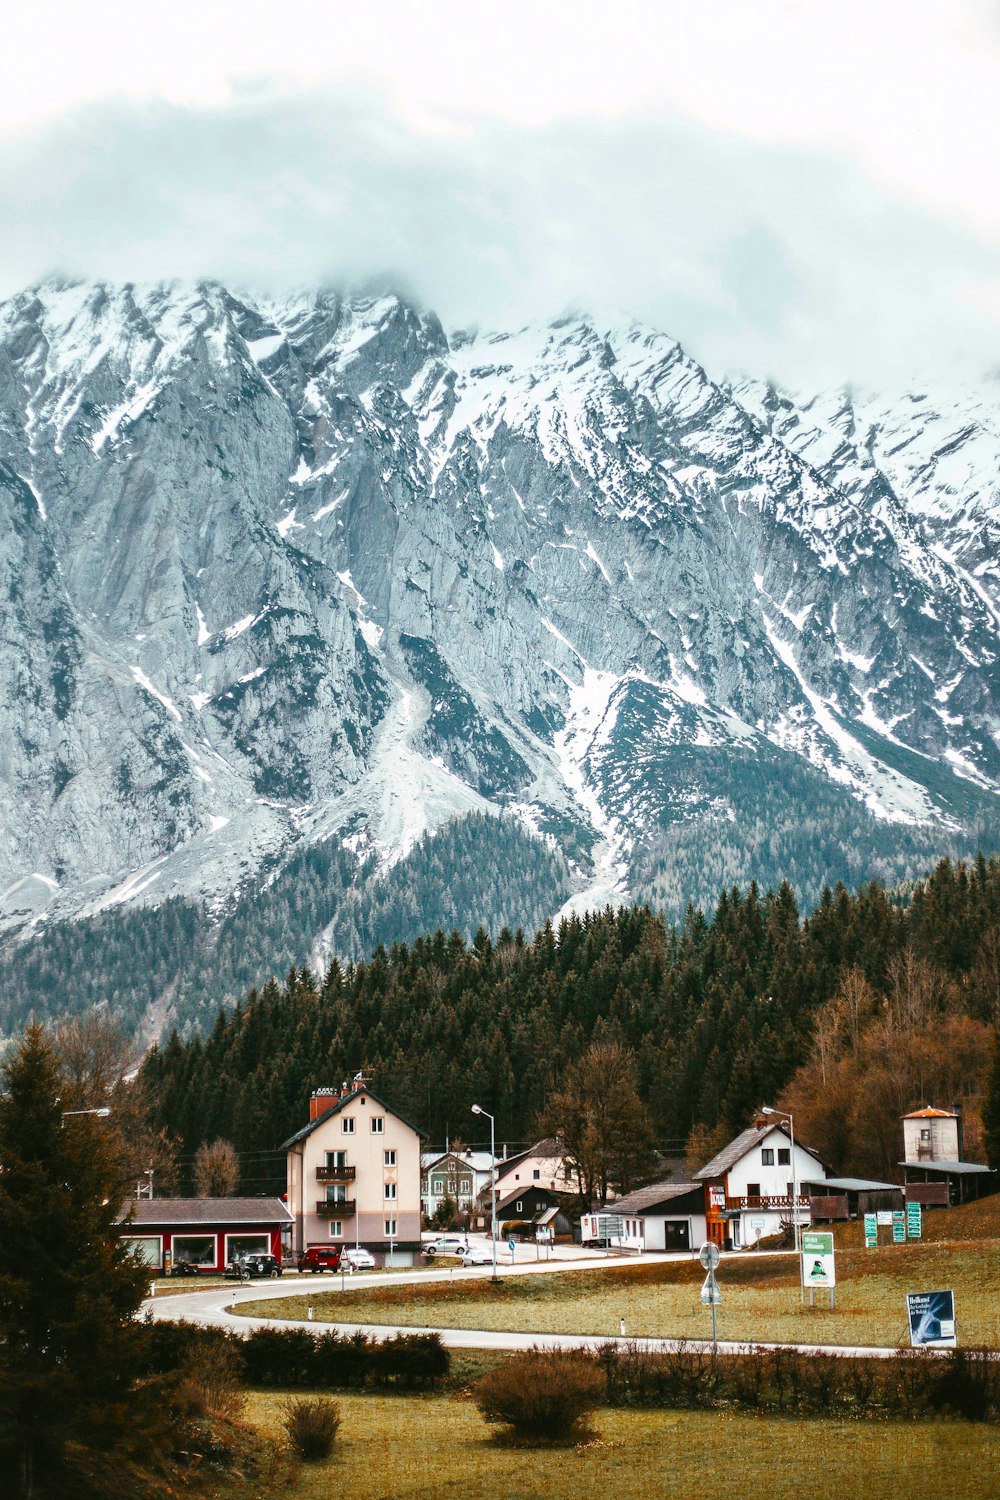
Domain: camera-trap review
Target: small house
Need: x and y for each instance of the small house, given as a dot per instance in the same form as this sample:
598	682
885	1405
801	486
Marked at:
204	1232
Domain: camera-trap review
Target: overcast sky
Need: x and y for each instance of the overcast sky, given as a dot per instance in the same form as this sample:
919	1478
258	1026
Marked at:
805	190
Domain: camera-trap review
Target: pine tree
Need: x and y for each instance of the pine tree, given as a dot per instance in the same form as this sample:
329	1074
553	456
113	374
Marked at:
70	1348
991	1109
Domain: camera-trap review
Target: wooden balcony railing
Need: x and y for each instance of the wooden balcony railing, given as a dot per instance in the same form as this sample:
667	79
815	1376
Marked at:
336	1174
330	1208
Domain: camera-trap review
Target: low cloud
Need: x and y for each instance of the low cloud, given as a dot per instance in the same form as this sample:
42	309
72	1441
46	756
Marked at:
786	263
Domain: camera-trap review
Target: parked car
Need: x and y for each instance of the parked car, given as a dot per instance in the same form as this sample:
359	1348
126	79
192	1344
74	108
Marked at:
357	1258
447	1244
478	1255
320	1258
242	1267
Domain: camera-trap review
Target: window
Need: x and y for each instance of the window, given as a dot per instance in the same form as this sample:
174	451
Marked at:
784	1156
196	1249
388	1158
518	1206
390	1192
767	1157
378	1124
335	1160
146	1247
336	1229
336	1194
925	1135
347	1125
247	1244
465	1185
390	1229
438	1185
753	1189
536	1174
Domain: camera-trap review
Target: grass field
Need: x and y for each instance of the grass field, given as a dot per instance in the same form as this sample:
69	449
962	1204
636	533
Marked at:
760	1299
423	1448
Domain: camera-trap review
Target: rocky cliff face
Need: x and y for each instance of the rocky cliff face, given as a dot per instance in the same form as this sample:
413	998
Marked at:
280	571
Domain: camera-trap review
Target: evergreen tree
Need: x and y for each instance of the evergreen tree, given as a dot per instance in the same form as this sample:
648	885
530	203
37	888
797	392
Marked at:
70	1347
991	1109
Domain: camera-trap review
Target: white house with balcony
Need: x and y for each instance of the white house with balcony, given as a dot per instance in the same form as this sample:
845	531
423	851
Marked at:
353	1173
750	1186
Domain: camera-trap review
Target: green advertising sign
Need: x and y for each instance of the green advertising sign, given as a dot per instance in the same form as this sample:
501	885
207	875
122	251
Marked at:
817	1258
914	1221
871	1232
898	1227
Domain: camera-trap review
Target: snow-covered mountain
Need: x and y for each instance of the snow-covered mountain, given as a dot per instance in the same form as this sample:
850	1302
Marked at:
280	571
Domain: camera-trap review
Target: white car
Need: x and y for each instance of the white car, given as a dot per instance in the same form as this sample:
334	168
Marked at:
358	1259
478	1255
447	1244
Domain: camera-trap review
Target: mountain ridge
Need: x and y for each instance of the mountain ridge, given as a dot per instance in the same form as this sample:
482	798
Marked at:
287	570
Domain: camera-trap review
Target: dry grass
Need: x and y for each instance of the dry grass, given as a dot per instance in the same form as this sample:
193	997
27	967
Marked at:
423	1448
760	1299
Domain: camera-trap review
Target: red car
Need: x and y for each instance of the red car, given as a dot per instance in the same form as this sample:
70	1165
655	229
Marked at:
320	1258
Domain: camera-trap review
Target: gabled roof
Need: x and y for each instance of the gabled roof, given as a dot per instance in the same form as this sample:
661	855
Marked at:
738	1148
644	1199
335	1109
522	1192
206	1211
931	1114
475	1161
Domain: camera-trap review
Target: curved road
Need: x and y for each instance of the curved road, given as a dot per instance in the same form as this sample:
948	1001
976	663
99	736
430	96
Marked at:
231	1308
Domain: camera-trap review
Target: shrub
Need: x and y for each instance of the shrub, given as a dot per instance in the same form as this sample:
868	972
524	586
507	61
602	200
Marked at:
409	1360
312	1424
541	1394
340	1360
211	1383
279	1356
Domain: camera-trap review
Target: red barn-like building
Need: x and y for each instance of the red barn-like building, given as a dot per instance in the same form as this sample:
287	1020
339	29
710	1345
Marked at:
204	1232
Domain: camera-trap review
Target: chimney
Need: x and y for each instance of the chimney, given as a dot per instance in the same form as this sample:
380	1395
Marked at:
320	1101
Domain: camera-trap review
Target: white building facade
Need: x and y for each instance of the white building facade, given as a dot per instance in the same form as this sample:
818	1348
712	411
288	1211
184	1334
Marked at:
749	1186
353	1173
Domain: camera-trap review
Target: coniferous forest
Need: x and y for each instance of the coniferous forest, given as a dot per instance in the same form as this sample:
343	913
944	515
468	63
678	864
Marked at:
864	1008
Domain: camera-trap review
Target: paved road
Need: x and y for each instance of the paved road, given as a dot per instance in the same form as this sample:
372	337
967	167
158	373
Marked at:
231	1308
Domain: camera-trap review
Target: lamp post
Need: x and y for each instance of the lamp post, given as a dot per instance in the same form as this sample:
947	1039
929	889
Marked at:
783	1113
101	1113
477	1110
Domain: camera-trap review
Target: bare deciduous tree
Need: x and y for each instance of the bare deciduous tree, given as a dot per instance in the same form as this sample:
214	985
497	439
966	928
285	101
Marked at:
216	1169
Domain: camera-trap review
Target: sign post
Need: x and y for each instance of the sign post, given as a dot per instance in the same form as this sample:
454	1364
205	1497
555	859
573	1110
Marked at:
914	1221
931	1316
898	1227
818	1267
871	1232
711	1294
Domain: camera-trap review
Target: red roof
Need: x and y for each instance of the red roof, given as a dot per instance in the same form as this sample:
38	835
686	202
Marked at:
931	1114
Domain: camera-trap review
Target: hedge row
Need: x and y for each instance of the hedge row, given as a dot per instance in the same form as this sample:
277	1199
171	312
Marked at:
963	1382
292	1358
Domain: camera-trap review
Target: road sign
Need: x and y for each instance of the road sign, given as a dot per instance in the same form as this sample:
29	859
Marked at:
884	1216
709	1255
914	1220
817	1258
711	1292
871	1232
898	1227
510	1245
932	1319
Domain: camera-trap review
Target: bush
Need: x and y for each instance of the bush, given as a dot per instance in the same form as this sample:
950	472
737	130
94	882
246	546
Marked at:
280	1356
312	1424
340	1360
211	1383
409	1360
541	1394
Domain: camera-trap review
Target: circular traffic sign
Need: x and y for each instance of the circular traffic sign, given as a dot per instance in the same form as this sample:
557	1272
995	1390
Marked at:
709	1255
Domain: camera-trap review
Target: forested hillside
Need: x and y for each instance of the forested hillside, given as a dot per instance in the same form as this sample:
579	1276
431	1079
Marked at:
179	961
722	1011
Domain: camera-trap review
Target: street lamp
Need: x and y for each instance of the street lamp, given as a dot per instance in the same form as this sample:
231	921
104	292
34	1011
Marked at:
477	1110
101	1113
767	1110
